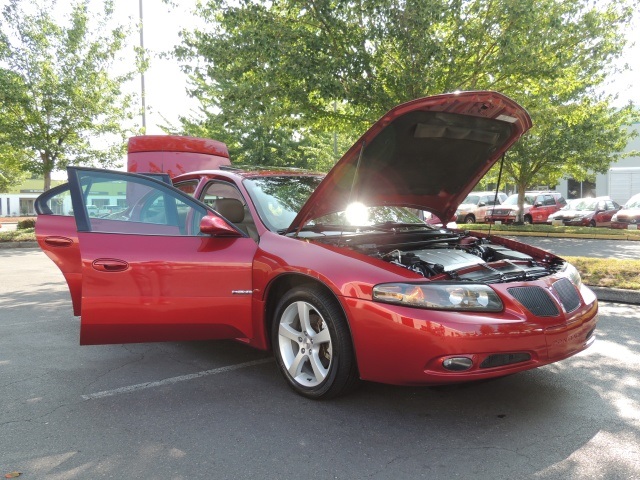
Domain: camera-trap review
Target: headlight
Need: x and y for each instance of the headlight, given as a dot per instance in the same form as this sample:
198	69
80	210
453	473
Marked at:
440	296
573	274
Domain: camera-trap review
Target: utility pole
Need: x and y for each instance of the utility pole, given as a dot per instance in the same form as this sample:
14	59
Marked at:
142	93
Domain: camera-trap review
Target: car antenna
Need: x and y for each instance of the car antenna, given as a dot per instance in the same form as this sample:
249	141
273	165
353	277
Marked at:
353	183
495	198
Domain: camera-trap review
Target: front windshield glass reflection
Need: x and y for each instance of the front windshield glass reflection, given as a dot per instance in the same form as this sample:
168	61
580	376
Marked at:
278	200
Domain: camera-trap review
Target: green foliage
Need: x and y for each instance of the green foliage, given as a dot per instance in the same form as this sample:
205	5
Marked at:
26	223
278	79
58	102
26	235
11	162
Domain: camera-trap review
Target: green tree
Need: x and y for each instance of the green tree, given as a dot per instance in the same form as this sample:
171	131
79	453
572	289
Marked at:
58	102
303	71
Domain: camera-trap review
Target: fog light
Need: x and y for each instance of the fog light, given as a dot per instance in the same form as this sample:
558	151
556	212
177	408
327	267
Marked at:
457	364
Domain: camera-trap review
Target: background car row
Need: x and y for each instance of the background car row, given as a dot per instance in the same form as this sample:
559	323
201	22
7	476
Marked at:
549	207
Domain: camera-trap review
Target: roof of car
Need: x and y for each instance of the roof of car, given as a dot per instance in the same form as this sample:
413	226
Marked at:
247	172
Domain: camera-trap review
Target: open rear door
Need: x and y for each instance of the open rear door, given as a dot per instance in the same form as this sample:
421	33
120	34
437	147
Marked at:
57	236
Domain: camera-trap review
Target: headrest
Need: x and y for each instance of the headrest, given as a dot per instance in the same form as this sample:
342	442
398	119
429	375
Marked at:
231	209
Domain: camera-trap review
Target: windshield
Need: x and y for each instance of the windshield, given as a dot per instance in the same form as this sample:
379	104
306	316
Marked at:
634	202
586	205
513	200
473	199
278	199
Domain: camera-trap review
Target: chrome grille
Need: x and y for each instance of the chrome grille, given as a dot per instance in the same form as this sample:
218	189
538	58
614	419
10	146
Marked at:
567	294
536	300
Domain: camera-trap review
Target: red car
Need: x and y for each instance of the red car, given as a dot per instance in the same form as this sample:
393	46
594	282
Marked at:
628	217
334	274
586	212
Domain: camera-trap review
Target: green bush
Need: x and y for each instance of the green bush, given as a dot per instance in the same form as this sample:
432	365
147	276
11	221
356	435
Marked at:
27	223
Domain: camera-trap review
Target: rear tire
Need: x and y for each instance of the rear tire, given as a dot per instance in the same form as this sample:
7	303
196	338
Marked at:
592	223
312	344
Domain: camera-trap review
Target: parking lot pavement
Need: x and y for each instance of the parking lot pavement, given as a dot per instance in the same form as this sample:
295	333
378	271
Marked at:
221	410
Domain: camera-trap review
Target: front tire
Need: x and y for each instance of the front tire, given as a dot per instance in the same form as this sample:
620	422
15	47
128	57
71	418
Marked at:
469	219
312	344
528	220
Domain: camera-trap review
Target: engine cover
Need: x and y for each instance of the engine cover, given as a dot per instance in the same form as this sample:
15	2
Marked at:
450	259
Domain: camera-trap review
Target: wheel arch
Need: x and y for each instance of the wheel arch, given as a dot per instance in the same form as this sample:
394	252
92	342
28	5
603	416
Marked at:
287	281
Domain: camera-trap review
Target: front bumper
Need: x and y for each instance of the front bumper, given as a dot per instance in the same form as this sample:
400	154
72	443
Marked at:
500	218
407	346
623	225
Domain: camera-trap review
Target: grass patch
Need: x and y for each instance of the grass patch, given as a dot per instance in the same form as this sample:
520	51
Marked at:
608	272
24	235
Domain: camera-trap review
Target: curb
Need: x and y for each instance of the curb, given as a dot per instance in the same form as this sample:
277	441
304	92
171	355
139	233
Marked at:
617	295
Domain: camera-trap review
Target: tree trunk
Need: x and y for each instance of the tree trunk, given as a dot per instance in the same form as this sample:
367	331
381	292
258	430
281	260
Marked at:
46	168
519	215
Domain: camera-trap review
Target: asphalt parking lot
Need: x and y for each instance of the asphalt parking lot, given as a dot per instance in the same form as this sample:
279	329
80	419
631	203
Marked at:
221	410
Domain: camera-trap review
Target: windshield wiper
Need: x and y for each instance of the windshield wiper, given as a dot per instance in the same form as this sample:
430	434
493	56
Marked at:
389	225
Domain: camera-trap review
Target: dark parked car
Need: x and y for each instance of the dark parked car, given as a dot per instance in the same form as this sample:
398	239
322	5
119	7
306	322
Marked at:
334	274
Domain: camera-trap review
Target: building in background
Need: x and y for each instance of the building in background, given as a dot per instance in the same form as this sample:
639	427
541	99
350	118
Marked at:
19	200
620	183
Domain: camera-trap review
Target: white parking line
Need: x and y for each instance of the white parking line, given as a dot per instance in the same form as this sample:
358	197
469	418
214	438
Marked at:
168	381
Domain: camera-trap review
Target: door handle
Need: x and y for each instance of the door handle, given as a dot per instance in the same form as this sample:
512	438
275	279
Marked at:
110	265
58	241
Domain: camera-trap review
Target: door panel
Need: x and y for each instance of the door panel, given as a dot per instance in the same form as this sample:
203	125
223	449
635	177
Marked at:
148	274
165	288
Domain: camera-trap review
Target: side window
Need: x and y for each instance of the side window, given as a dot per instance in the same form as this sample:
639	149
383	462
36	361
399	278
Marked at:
226	199
56	201
149	208
549	200
217	190
562	202
188	187
539	200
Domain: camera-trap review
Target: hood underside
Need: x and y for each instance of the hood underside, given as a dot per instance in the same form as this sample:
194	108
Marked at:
426	154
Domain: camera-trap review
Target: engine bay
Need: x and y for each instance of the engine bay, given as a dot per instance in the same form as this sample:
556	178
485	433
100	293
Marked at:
448	255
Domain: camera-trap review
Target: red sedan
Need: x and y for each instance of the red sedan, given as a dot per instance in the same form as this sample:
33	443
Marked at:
335	274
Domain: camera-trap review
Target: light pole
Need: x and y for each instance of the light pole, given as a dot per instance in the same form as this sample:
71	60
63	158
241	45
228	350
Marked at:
142	95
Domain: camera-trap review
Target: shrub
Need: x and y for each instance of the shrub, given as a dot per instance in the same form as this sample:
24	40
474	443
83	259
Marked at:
27	223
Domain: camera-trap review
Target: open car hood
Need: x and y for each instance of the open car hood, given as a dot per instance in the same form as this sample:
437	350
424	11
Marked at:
426	154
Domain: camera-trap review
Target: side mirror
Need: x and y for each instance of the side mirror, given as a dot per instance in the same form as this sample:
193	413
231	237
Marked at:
482	204
537	204
217	227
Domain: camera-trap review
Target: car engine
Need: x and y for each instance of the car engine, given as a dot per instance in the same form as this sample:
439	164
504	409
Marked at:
451	256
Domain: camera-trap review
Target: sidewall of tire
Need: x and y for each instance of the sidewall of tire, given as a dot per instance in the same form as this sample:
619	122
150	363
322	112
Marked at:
342	349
